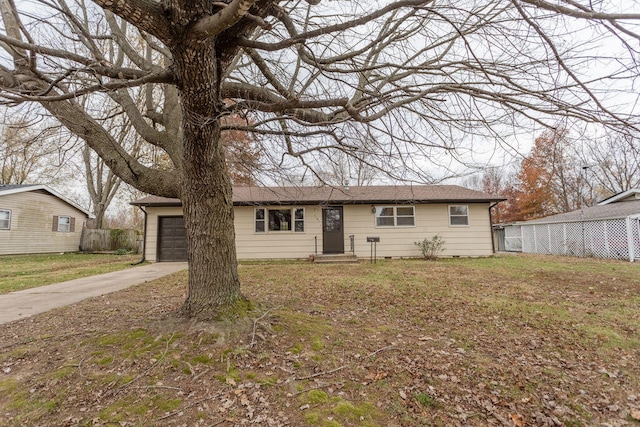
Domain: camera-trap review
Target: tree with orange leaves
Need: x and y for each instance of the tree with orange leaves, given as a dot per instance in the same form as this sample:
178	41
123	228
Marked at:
548	182
243	157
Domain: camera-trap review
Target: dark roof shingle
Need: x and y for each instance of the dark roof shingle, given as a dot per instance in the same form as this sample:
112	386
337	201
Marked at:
343	195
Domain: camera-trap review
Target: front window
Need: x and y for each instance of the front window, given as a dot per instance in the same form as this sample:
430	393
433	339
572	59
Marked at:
64	224
279	220
458	215
5	219
299	220
395	216
260	220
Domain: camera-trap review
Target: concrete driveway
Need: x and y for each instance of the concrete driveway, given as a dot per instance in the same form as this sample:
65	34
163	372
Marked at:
21	304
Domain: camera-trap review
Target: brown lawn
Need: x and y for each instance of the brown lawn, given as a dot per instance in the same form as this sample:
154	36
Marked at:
513	340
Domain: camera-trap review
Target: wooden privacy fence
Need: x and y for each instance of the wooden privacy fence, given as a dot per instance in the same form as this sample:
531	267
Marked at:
94	240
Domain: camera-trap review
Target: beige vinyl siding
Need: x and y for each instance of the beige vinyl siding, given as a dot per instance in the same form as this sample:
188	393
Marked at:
430	219
249	244
277	244
359	221
151	244
32	214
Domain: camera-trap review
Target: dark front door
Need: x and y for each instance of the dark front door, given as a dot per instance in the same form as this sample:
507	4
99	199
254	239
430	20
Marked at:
172	239
332	230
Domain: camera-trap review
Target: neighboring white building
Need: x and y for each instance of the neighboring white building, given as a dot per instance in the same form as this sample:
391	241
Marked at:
36	219
295	222
611	229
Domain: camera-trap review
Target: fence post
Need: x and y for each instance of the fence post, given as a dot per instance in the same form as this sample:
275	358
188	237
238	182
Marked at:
631	246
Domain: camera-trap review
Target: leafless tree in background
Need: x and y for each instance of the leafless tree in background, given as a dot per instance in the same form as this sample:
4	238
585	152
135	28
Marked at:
427	80
611	165
31	153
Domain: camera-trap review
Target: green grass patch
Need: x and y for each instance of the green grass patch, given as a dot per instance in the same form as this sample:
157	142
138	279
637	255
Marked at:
128	407
30	271
15	397
425	400
202	359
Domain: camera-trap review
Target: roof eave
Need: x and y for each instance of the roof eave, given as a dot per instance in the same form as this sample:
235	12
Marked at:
156	204
619	196
178	203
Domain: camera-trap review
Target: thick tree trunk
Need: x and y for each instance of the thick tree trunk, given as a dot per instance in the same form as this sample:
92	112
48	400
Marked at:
206	187
99	212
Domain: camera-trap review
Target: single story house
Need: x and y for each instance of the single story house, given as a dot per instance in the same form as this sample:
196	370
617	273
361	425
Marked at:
610	229
36	219
295	222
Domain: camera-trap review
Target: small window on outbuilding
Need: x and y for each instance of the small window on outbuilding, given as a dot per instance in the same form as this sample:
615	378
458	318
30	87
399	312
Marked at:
64	224
5	219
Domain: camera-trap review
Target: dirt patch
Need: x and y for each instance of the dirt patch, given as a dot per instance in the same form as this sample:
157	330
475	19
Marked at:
505	341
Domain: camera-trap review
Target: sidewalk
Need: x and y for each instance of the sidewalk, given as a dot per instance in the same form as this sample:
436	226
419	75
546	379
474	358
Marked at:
28	302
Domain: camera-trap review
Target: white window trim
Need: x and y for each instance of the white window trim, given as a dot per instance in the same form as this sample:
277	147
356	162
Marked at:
7	219
449	215
292	225
67	225
263	220
395	216
294	220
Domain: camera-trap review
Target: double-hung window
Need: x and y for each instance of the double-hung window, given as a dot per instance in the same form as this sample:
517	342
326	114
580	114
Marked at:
458	215
291	219
64	224
259	220
395	216
5	219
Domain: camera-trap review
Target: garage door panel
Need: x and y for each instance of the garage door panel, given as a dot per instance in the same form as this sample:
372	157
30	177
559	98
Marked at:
172	241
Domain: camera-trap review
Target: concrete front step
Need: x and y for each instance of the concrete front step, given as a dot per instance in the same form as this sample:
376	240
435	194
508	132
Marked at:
336	259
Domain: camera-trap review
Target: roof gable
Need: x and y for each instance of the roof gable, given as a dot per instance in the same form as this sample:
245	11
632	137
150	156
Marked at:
6	189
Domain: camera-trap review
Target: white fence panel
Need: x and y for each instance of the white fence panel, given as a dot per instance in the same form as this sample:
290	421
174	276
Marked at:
634	228
528	240
513	238
599	238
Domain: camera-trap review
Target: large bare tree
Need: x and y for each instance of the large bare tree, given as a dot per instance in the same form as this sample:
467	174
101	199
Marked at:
417	77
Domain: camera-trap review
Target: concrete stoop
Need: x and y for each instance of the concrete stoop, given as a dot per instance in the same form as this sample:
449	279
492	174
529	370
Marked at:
336	259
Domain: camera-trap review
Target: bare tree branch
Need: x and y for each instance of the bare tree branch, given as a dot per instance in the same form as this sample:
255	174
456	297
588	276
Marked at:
147	14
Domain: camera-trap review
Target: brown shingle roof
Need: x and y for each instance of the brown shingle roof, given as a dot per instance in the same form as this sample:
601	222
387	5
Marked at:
343	195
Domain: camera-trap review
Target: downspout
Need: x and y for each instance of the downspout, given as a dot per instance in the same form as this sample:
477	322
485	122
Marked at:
493	243
144	238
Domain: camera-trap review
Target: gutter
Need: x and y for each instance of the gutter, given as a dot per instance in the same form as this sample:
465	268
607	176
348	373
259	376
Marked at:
144	238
